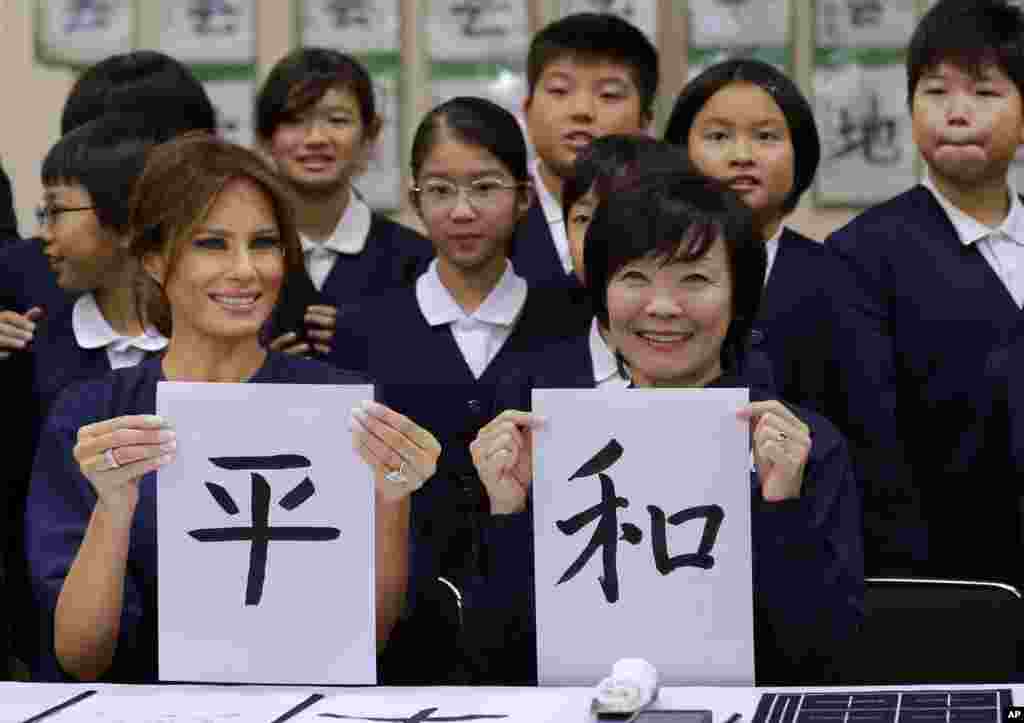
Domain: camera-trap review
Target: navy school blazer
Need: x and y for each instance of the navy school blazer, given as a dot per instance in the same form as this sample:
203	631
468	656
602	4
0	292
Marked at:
916	315
793	325
394	256
987	470
8	219
808	576
421	373
534	256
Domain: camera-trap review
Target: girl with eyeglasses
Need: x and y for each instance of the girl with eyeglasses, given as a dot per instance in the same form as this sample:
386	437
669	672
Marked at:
444	351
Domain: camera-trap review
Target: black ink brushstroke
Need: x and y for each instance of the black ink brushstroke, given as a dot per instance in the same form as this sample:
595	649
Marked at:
223	498
631	533
268	462
604	536
260	535
419	717
601	461
60	706
289	714
302	492
713	516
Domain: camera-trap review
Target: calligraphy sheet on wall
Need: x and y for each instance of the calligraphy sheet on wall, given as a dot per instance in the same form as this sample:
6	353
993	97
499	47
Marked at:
642	524
265	537
474	30
83	32
356	27
204	32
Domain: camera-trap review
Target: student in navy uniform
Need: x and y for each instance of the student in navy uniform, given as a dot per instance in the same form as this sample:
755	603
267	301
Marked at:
746	123
676	268
212	281
588	75
925	285
143	81
316	118
443	349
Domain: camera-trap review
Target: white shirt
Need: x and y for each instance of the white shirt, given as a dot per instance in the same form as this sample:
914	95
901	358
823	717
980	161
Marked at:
349	237
772	247
1002	247
93	331
606	369
552	209
479	335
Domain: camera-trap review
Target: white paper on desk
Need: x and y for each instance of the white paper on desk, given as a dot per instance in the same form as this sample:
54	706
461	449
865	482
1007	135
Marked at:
313	619
166	705
680	449
521	705
21	701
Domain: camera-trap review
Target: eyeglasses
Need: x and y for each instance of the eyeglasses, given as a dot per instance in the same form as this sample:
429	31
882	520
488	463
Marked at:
484	193
47	215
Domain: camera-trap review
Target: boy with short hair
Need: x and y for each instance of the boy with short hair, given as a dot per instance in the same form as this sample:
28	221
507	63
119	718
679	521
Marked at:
926	283
588	75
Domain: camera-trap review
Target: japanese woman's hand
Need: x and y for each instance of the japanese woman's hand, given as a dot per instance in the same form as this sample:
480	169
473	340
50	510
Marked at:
114	454
402	454
782	445
503	456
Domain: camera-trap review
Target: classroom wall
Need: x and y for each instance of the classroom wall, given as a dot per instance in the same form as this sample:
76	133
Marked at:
35	93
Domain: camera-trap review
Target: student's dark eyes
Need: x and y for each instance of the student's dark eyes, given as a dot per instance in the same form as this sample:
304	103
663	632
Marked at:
716	136
580	218
558	91
691	279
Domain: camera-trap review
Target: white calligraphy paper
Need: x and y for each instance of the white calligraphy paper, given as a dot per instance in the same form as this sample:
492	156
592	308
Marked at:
476	29
233	101
265	537
867	150
641	13
82	33
381	184
209	31
21	701
865	24
739	23
354	27
675	463
521	705
187	705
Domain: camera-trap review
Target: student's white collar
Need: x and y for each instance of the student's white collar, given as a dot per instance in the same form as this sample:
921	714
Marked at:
605	364
350	234
550	205
969	229
93	331
501	307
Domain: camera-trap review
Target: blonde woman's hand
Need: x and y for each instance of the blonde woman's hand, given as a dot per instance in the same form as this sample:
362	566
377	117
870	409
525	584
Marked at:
402	454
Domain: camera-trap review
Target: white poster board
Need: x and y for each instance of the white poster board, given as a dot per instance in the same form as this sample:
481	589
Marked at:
641	13
523	705
265	537
739	23
233	101
167	705
669	576
82	33
221	32
845	24
354	27
473	30
381	184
